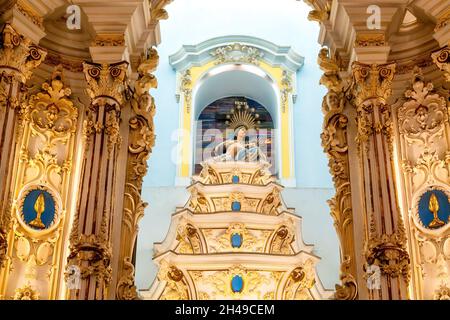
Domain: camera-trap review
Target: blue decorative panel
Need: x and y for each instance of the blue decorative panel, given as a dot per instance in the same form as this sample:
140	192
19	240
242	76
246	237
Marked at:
236	206
235	179
39	209
434	209
237	283
236	240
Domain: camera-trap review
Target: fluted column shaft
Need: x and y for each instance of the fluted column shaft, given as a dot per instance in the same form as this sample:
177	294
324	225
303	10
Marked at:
385	238
91	233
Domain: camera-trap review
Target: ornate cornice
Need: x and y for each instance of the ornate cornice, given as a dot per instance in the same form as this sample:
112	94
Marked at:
108	40
370	40
18	55
29	12
443	21
106	81
55	59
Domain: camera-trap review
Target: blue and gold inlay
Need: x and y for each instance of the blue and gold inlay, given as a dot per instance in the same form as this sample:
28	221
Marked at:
237	284
434	209
39	209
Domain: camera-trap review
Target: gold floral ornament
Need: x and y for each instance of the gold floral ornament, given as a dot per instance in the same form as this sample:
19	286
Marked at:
237	52
252	282
157	10
319	14
301	279
26	293
176	287
92	255
51	109
443	293
390	254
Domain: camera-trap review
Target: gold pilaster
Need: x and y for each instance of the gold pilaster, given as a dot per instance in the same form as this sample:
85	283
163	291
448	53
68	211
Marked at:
385	237
18	58
90	240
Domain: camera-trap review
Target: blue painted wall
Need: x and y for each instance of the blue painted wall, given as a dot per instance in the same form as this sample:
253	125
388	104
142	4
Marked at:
283	22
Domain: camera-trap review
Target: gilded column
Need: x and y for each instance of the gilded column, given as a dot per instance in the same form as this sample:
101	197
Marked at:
385	238
335	144
18	58
90	240
141	140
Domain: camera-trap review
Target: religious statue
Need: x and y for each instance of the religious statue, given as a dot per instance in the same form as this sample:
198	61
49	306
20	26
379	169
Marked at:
434	208
240	148
39	207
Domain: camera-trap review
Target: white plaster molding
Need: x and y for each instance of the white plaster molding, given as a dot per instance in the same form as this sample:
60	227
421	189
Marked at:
196	55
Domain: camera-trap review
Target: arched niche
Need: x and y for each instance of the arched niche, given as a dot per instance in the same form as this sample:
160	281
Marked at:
236	66
215	124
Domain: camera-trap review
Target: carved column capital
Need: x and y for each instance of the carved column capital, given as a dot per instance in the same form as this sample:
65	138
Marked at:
442	59
18	56
106	82
372	81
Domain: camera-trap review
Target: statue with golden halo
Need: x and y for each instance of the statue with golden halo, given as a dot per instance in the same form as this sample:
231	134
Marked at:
241	148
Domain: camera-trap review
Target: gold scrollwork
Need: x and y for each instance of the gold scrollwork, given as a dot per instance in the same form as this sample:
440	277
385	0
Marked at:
141	142
390	254
335	144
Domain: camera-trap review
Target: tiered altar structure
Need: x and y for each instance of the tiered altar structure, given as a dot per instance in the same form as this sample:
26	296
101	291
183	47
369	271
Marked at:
235	239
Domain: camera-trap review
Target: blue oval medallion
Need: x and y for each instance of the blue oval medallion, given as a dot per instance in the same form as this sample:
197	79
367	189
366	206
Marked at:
236	206
39	209
235	179
434	209
237	283
236	240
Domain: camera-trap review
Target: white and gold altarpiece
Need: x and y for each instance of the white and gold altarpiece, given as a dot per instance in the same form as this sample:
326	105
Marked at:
235	239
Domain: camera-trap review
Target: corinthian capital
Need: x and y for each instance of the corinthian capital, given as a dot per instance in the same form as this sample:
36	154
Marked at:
18	56
106	80
372	81
442	60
